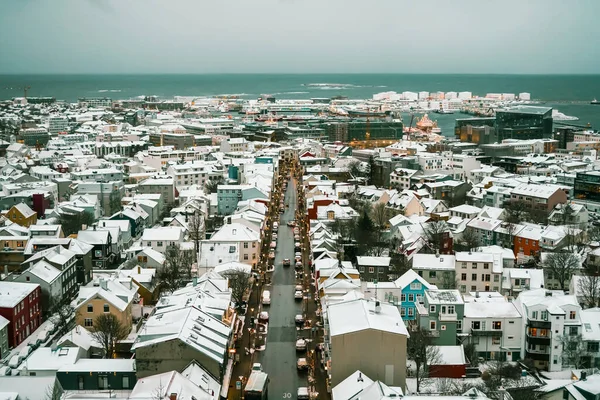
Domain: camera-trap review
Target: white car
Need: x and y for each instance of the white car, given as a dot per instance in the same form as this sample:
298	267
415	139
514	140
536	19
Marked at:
303	393
257	367
263	316
301	345
299	287
298	295
299	319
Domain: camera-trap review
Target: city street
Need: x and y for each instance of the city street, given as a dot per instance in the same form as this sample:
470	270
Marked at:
279	358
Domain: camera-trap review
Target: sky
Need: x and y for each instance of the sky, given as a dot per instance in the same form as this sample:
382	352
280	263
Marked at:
299	36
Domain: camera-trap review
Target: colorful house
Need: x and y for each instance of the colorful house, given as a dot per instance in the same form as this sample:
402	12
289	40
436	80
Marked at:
412	290
22	214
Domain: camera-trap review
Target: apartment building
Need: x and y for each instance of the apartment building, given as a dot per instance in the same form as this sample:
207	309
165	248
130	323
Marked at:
477	271
442	315
20	304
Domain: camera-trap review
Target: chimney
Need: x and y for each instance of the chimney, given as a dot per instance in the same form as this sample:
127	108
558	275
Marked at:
477	294
94	226
139	269
173	396
359	378
194	281
583	376
103	284
377	307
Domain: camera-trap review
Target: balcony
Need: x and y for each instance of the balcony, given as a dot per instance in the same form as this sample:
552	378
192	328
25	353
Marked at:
543	340
447	317
486	332
538	356
539	324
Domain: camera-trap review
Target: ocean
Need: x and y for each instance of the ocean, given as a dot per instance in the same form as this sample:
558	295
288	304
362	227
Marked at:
570	94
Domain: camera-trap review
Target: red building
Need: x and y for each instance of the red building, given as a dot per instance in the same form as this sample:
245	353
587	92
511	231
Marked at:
450	362
20	304
320	201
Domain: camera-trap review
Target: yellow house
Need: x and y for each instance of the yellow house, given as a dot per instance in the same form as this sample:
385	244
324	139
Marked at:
104	296
22	214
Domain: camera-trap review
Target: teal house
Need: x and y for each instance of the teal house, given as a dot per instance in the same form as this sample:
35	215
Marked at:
228	196
412	291
441	314
98	374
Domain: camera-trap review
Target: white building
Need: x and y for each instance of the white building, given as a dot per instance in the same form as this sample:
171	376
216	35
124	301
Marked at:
233	242
495	328
161	238
477	271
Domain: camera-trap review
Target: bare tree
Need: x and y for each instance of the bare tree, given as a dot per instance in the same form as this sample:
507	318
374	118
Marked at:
380	215
73	222
53	392
176	271
574	351
196	230
448	280
434	233
469	240
588	287
562	266
108	330
516	211
422	353
211	185
239	283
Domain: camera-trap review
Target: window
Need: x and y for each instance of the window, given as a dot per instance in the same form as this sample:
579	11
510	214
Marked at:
102	382
253	244
463	277
497	325
463	265
231	249
411	312
496	278
371	270
88	322
432	274
245	245
486	266
544	315
90	308
475	325
459	325
534	314
463	288
415	286
572	315
403	297
573	330
411	297
593	347
402	311
106	308
431	309
451	310
495	339
474	265
432	325
474	277
362	269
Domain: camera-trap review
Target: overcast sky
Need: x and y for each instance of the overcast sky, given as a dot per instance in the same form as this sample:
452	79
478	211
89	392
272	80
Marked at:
299	36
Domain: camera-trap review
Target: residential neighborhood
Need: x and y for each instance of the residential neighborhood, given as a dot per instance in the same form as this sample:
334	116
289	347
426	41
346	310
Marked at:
154	253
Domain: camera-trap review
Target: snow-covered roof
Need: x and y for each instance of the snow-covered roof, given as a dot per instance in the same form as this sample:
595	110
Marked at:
590	324
80	337
433	262
409	277
358	315
235	232
447	296
165	233
25	210
449	355
116	293
495	309
12	293
161	386
373	261
100	365
48	359
45	271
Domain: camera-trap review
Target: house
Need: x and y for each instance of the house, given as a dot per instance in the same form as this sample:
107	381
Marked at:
45	361
438	270
569	214
540	200
442	314
171	340
477	271
136	223
483	228
360	386
46	231
228	196
101	242
22	214
20	304
233	242
373	269
150	258
123	227
450	363
516	280
87	375
547	317
464	211
83	339
494	327
579	387
193	382
355	325
103	296
404	292
159	239
528	241
164	185
145	279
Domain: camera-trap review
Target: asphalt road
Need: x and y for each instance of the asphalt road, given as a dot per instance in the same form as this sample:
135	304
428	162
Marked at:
279	358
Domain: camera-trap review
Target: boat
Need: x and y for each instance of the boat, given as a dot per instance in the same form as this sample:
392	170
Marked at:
444	111
595	102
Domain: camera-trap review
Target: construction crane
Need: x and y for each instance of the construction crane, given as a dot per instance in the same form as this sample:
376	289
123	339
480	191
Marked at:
25	89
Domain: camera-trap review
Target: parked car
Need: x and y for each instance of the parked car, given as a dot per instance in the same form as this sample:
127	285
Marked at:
299	319
296	237
273	244
257	367
286	262
292	223
274	236
271	255
263	317
298	259
299	287
298	295
301	345
303	393
302	364
298	264
297	245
